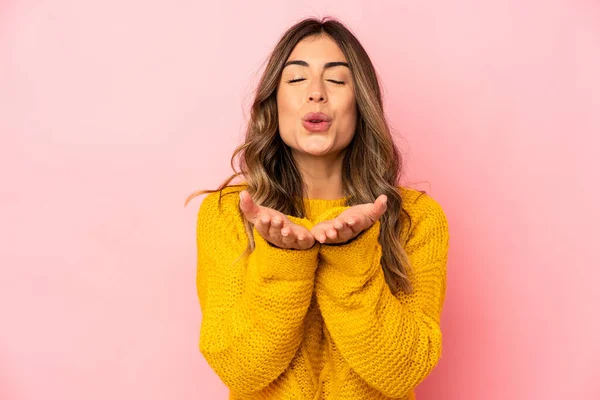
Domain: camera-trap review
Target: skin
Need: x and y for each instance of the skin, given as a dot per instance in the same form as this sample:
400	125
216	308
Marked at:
312	87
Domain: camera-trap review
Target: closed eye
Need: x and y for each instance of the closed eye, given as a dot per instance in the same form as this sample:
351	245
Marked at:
303	79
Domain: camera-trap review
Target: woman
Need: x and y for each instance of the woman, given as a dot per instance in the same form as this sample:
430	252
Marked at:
318	276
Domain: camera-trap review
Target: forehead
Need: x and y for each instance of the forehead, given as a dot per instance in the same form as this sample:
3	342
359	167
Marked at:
320	49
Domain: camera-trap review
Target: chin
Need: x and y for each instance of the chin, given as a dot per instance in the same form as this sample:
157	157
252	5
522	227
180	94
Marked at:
315	151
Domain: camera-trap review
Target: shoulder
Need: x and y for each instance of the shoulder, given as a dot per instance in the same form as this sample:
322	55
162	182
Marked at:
221	207
420	204
427	216
223	201
220	217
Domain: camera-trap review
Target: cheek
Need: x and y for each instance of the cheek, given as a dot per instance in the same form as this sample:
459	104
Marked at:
348	121
286	108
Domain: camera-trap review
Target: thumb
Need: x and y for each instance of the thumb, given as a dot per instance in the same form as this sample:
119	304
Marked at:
379	206
248	206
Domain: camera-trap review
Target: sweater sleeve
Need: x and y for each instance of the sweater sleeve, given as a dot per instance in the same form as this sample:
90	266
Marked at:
252	308
391	342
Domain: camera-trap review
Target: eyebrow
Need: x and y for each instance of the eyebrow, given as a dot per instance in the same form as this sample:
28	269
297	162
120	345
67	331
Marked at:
327	65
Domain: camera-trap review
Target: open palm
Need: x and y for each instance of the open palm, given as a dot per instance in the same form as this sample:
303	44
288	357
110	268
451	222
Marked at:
350	223
274	226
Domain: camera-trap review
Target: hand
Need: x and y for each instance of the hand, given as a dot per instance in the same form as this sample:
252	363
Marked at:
274	226
350	222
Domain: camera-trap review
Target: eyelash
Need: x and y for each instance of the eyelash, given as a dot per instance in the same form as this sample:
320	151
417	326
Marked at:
330	80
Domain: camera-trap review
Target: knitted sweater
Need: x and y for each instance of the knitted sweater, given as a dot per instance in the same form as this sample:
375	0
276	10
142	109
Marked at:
320	323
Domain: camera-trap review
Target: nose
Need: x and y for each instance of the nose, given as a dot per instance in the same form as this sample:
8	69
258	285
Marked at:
316	92
316	96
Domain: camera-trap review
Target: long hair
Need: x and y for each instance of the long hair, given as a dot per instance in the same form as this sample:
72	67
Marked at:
372	164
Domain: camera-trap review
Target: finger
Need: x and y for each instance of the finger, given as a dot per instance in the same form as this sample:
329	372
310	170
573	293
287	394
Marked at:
338	224
331	232
358	222
277	222
296	236
343	231
304	238
249	208
275	228
342	235
345	234
351	222
380	205
377	208
288	236
319	234
263	225
286	230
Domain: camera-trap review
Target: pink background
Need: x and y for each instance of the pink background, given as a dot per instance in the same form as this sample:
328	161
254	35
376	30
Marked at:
112	112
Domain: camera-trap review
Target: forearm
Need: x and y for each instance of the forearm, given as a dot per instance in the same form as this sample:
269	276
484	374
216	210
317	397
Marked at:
392	346
251	337
387	345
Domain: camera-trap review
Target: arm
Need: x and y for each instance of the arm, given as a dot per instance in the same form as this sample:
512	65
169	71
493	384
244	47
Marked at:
390	342
252	309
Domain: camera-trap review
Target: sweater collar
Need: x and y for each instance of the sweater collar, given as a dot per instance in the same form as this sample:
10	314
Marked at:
315	207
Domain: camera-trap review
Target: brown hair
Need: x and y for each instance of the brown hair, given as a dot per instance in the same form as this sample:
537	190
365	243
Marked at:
372	164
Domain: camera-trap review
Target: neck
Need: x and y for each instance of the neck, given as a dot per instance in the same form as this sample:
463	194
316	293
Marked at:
322	175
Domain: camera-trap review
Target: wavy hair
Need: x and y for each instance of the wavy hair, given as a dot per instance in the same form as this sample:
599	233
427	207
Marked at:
372	164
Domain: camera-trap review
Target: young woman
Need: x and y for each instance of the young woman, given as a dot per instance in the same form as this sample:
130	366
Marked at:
319	277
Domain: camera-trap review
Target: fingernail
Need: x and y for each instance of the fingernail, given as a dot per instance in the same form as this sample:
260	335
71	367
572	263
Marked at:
384	201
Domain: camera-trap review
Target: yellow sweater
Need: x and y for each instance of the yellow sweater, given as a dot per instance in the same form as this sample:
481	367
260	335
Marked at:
319	323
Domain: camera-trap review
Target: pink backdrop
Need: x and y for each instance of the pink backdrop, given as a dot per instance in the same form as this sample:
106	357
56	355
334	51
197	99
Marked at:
112	112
